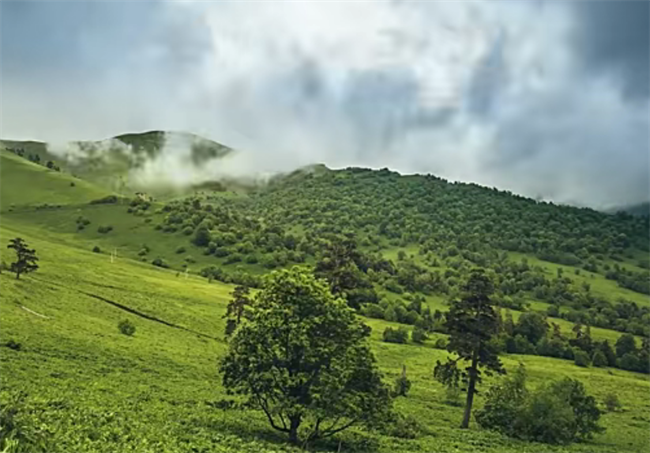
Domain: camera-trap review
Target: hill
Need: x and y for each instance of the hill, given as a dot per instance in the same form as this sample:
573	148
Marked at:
112	163
75	381
641	209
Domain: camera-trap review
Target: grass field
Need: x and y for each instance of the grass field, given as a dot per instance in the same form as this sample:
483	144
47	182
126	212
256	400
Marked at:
95	388
92	388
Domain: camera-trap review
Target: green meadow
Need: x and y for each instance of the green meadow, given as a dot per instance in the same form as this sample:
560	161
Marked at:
76	383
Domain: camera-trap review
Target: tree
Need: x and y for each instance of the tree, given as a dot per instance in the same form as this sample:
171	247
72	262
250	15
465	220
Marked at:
341	266
303	359
531	325
25	257
471	323
625	344
235	308
599	359
202	236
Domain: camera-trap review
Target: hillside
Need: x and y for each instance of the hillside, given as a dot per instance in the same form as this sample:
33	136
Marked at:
169	268
112	163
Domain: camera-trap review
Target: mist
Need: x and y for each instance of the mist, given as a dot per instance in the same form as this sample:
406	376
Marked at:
540	98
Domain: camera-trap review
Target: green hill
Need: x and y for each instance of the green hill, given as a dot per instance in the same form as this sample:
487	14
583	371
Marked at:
111	163
27	184
72	379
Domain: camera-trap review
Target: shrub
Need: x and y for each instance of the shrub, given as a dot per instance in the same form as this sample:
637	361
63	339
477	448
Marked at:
126	327
372	311
558	413
399	335
612	403
180	249
13	344
418	335
105	229
503	402
402	384
188	230
453	396
580	358
404	427
440	343
160	263
96	249
251	259
190	259
629	362
599	359
106	200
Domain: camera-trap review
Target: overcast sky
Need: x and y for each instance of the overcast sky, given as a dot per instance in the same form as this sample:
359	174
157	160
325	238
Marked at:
542	98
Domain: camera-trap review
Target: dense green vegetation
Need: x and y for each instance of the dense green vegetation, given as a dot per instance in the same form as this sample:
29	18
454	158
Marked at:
122	326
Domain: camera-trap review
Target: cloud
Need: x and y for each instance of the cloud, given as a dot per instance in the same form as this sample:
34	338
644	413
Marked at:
544	98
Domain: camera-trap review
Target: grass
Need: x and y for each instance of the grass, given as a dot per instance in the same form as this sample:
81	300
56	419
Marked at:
25	183
96	388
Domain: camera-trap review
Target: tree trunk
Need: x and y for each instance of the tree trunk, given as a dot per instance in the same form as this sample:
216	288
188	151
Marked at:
17	275
293	429
471	388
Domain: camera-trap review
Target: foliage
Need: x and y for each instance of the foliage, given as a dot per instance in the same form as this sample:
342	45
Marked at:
236	308
399	335
303	360
402	384
471	323
558	413
25	257
612	403
581	358
126	327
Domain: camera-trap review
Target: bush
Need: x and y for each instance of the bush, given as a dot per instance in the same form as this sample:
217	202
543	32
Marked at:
126	327
612	403
402	384
105	229
580	358
599	359
106	200
558	413
404	427
453	396
160	263
372	311
399	335
96	249
418	335
180	249
440	343
13	344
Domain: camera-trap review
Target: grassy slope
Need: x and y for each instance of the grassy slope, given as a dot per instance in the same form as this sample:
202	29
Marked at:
27	183
100	388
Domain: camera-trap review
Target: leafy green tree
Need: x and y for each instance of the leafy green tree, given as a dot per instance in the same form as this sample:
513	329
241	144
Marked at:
531	325
236	308
503	401
25	257
599	359
303	359
471	323
580	358
625	344
202	236
340	266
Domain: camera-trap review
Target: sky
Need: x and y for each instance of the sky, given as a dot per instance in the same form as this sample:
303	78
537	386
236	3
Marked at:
549	99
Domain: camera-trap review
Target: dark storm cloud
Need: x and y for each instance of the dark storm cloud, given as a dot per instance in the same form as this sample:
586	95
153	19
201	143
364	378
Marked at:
613	37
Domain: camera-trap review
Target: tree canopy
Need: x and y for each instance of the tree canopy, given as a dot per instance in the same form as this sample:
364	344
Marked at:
301	357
